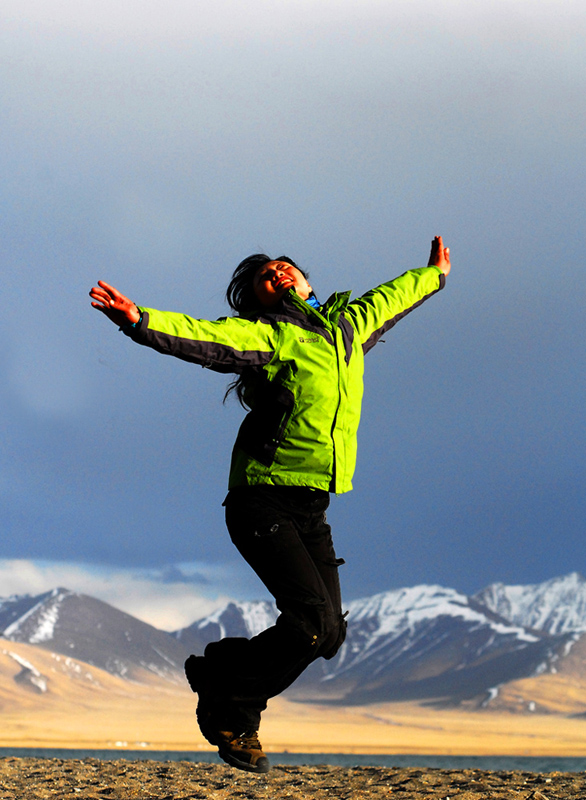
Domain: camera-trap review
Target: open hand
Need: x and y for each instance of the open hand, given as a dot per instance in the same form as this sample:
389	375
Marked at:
114	305
439	256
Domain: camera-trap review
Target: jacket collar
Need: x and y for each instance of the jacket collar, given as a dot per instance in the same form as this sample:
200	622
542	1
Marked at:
293	309
332	308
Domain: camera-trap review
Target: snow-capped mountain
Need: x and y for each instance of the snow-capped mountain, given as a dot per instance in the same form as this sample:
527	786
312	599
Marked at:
422	642
234	619
16	606
94	632
555	606
425	643
405	616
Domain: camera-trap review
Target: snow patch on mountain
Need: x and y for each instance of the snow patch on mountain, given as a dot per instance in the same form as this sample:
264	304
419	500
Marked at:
73	669
29	674
255	616
555	606
12	629
22	662
42	618
403	611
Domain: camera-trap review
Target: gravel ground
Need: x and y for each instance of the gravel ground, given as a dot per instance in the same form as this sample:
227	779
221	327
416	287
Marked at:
32	778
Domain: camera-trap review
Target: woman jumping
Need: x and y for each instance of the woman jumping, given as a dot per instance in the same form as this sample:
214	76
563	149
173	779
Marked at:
299	367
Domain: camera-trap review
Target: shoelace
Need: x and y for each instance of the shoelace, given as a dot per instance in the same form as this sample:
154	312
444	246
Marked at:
249	739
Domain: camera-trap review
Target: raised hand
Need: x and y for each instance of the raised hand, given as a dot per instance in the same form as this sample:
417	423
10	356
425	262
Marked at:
439	256
114	305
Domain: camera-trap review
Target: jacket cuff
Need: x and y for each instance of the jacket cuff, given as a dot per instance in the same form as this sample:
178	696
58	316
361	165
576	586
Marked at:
442	277
135	329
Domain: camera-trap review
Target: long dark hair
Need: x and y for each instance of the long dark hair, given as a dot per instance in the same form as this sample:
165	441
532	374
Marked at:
242	299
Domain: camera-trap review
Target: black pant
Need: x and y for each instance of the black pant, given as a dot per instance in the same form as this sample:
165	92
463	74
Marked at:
283	534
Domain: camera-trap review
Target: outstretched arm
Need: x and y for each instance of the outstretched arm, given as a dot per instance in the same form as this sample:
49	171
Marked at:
227	345
377	311
439	256
114	305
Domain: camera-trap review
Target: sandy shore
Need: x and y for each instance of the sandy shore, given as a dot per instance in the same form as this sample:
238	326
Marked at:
87	708
91	779
145	721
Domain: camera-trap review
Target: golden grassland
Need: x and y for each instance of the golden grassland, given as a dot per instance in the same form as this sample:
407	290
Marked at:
85	707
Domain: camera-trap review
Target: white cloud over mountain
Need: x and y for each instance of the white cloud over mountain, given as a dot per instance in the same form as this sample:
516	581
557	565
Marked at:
169	598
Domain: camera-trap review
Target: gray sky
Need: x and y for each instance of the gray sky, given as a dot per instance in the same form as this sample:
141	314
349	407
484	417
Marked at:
154	145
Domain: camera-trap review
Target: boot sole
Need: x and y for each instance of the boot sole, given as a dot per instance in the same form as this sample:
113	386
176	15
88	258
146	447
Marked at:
261	767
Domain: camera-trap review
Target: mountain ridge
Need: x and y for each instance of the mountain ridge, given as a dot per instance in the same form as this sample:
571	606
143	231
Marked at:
426	643
78	625
557	605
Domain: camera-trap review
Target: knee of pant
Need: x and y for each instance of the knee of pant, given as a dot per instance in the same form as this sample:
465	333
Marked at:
335	638
319	627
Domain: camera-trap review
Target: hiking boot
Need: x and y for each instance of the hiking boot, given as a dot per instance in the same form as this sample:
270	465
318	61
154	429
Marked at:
242	751
195	672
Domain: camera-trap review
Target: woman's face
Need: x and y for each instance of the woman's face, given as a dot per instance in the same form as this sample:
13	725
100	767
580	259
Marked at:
272	280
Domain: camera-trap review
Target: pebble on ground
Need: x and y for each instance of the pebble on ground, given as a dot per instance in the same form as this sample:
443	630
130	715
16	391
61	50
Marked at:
93	779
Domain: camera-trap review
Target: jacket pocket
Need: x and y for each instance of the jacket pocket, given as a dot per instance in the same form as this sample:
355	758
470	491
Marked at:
262	431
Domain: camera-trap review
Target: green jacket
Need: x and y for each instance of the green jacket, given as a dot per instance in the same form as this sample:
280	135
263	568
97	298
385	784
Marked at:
303	370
